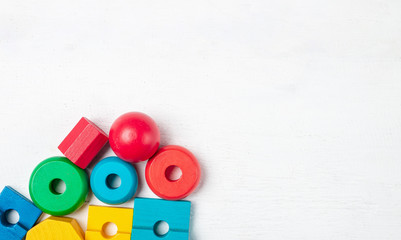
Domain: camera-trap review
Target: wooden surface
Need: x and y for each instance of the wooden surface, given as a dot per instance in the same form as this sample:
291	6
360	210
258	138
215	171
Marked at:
293	108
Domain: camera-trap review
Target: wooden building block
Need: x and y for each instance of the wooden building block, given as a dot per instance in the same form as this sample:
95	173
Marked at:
146	234
160	164
101	186
47	174
149	212
28	214
98	217
56	228
83	143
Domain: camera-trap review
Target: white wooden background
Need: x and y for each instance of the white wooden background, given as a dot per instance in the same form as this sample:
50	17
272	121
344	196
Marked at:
291	106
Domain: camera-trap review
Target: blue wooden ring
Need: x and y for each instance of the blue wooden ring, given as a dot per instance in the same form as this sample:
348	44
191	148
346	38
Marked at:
106	193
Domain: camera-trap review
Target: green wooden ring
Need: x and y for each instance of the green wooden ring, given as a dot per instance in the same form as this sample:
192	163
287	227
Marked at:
42	191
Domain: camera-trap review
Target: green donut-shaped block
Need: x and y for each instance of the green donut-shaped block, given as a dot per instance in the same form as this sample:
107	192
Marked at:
43	194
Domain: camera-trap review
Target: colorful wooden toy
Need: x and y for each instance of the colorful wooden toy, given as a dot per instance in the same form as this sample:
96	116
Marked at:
158	167
44	194
146	234
98	217
27	211
149	212
100	180
134	137
56	228
83	143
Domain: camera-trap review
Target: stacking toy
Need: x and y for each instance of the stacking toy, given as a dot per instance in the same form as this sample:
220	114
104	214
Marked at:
149	212
98	217
134	137
158	167
28	214
42	186
100	180
83	143
56	228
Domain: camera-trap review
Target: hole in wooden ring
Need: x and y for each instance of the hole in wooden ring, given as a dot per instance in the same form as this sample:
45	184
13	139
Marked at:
173	173
57	186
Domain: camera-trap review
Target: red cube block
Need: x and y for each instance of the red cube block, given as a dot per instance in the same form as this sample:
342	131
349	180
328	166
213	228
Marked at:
83	143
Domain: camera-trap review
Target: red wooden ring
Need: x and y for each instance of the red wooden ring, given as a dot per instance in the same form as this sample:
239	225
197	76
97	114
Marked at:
156	173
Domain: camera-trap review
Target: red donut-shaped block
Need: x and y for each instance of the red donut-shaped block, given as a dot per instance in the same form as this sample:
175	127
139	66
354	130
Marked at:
158	167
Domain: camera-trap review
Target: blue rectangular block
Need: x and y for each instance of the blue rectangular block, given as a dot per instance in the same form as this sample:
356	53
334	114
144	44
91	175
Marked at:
146	234
28	214
147	212
10	232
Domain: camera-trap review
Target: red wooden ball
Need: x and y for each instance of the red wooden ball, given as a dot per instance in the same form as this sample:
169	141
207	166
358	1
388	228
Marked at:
134	137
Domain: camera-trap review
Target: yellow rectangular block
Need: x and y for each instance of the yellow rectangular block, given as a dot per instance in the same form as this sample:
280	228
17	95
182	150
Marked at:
98	216
89	235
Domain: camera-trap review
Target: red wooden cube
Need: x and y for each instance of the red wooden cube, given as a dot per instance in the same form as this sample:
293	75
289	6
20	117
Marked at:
83	143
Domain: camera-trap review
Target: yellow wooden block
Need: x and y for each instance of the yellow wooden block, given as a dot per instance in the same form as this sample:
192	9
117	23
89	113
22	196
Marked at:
56	228
98	217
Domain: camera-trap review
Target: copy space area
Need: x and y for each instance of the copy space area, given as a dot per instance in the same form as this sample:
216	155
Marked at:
293	108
